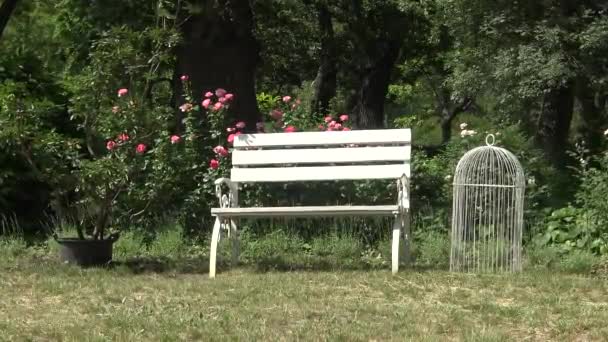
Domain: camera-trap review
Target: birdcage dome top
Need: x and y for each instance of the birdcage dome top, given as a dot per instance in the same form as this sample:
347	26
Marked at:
489	166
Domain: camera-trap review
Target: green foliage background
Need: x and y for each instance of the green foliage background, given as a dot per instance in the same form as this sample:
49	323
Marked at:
61	63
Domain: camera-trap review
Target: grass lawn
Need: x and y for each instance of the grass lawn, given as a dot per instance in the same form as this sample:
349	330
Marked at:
42	300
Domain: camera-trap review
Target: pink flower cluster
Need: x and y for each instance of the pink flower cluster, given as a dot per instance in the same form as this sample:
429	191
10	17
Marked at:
277	115
141	148
332	124
122	139
218	100
220	152
234	131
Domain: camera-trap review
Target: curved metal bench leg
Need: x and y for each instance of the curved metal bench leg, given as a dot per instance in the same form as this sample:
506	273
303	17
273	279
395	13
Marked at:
214	242
395	250
234	235
407	238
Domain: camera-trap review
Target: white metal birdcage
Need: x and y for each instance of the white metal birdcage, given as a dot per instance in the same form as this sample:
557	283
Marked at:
487	212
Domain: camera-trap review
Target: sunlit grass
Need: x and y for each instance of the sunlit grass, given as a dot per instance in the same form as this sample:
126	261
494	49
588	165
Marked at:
155	298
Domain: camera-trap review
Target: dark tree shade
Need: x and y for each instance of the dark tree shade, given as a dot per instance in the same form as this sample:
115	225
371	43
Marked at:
368	102
554	123
325	82
220	51
591	108
6	10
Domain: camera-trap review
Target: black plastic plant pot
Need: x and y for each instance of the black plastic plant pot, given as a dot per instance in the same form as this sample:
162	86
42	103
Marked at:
85	252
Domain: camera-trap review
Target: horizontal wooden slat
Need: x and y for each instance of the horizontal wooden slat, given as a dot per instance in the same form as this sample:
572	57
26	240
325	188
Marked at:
330	211
318	173
379	136
322	155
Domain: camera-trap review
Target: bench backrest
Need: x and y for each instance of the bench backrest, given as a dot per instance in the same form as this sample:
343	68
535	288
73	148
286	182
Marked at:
317	156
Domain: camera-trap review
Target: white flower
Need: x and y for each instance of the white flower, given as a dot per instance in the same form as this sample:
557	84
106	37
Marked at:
463	125
467	133
531	181
448	177
606	132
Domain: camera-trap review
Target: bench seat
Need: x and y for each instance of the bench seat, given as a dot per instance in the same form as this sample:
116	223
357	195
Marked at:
310	211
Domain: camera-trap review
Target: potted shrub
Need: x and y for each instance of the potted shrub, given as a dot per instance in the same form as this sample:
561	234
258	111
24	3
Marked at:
126	167
141	167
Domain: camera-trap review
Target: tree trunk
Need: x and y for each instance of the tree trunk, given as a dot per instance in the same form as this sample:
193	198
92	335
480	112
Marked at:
447	116
368	102
6	11
220	51
325	82
554	124
591	114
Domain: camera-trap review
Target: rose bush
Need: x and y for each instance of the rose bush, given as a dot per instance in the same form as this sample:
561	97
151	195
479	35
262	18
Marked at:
149	170
143	162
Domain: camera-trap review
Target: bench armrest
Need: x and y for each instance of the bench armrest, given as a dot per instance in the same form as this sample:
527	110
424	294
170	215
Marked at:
226	181
229	200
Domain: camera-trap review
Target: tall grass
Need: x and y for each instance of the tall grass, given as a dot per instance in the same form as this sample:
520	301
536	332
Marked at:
287	245
9	226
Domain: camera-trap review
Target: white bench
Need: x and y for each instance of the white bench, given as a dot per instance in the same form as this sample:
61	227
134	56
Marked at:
316	156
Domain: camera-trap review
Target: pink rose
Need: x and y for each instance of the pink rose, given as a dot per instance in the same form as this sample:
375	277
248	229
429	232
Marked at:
328	119
232	136
321	127
346	129
115	109
219	92
343	117
122	92
230	129
229	97
208	94
332	124
289	129
286	99
217	106
276	114
220	150
141	148
214	164
184	78
240	125
175	139
206	103
337	127
110	145
222	100
186	107
123	137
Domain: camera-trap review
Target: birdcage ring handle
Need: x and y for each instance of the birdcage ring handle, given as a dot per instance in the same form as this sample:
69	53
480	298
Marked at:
490	140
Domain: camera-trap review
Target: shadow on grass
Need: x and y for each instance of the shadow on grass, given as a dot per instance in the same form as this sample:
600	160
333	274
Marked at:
163	265
199	265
